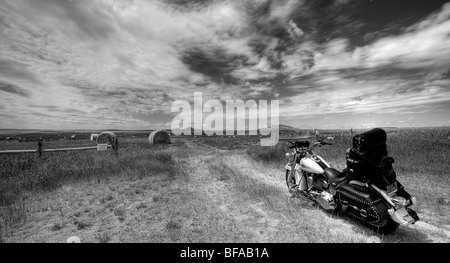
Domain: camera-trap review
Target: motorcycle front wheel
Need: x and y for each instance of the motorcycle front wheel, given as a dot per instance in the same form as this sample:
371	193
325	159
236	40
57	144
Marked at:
290	183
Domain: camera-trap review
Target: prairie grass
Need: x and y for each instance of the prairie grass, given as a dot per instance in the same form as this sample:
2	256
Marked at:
229	143
275	154
25	175
103	237
144	193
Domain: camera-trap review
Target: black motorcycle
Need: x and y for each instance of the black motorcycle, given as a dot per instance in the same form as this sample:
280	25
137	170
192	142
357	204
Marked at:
367	189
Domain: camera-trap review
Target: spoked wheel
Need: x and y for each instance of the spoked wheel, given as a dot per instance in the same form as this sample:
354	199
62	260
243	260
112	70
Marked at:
290	182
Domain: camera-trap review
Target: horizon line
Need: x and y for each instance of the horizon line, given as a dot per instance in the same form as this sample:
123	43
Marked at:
153	129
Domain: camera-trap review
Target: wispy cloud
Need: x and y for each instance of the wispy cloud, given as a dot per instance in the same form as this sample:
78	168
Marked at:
82	63
423	45
11	88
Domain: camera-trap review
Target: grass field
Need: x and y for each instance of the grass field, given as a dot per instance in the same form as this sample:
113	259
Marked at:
206	189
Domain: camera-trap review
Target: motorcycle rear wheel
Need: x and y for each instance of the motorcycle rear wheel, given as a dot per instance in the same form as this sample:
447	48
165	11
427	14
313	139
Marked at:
390	227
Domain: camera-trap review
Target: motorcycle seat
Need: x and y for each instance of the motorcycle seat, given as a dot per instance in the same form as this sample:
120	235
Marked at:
332	173
334	176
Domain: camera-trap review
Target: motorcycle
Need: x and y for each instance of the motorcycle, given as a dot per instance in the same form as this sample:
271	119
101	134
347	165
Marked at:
382	207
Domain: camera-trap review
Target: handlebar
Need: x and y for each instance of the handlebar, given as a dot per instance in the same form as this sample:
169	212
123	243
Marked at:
306	144
299	144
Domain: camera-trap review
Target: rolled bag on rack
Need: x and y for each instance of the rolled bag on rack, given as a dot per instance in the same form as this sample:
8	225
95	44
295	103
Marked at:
368	159
373	140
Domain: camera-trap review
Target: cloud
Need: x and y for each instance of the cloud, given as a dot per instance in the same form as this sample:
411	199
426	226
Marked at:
145	43
332	93
13	89
124	62
399	74
424	44
215	64
16	70
83	16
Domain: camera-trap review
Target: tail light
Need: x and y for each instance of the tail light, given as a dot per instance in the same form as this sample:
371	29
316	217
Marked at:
399	201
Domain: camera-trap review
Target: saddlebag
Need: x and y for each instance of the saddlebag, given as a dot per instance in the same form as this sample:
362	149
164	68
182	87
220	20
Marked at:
362	203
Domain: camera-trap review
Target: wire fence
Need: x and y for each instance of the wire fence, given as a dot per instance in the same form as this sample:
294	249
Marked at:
39	150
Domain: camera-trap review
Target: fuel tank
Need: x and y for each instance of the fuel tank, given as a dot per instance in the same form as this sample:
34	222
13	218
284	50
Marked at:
313	164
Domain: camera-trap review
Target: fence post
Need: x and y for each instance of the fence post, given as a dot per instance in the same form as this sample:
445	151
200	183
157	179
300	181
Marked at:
39	149
116	144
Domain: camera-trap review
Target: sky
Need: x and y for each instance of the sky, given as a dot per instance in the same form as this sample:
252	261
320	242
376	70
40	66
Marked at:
120	64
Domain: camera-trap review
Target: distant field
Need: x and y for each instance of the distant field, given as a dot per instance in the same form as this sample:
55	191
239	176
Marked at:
201	189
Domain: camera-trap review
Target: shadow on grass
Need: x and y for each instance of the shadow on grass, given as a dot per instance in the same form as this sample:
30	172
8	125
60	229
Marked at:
406	235
403	234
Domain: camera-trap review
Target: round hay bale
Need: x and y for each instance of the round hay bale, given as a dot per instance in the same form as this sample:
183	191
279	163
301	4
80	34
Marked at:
73	239
107	138
94	136
159	137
